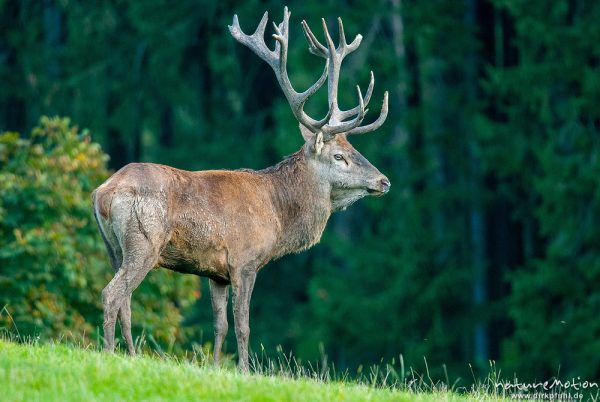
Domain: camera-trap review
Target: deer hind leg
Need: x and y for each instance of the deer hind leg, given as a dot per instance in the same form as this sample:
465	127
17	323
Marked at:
139	226
116	260
219	293
116	296
125	310
125	321
140	255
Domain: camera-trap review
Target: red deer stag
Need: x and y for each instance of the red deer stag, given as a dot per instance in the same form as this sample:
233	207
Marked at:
226	225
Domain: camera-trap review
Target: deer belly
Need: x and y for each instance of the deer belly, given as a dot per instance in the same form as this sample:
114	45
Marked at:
203	261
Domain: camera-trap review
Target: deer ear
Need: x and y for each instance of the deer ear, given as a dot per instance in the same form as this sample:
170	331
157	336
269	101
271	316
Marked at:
316	140
319	143
306	133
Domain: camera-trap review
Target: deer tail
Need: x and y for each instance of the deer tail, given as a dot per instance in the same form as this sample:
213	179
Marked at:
100	208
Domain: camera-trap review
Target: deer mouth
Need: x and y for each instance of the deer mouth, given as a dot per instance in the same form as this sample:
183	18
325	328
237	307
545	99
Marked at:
382	187
375	192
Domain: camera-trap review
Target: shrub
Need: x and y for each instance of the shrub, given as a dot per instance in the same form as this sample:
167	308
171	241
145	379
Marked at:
53	264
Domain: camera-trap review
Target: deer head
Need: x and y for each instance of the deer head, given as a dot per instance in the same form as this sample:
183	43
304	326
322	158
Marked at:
335	163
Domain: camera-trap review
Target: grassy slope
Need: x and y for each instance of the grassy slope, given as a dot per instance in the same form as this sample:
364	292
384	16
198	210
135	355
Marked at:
62	373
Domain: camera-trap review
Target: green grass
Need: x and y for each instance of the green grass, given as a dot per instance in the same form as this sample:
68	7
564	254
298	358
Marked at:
57	372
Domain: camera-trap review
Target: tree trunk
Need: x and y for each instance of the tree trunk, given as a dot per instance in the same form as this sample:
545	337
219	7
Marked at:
52	37
399	103
117	147
432	95
138	110
477	224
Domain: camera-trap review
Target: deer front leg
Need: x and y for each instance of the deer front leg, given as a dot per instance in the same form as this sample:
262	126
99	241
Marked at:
219	294
242	286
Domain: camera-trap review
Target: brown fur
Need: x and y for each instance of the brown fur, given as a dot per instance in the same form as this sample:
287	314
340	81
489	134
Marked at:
224	225
276	205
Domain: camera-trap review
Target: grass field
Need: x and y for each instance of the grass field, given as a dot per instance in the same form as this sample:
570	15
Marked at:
55	372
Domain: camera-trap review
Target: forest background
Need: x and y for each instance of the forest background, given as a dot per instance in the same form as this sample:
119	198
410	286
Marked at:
486	248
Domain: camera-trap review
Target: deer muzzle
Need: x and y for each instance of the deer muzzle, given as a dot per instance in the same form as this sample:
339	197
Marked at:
382	186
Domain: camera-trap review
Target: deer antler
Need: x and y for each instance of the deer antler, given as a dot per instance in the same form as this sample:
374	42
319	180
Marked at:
334	57
334	122
277	59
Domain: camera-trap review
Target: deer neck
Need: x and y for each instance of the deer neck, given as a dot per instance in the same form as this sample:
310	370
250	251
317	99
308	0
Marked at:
302	203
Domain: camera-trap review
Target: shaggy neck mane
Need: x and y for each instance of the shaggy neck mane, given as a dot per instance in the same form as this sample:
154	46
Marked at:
302	203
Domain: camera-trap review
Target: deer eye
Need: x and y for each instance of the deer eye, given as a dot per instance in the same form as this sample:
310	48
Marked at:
338	157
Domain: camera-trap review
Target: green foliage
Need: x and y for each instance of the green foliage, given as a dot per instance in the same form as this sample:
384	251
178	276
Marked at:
53	264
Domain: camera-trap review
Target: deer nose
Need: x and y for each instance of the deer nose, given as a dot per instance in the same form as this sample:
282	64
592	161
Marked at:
385	185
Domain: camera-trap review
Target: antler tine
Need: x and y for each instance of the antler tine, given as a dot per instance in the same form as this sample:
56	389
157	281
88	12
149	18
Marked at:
301	99
314	46
281	44
333	64
255	41
377	123
330	131
355	43
260	29
344	114
342	34
344	46
330	45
